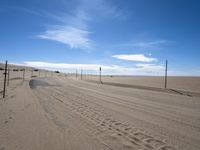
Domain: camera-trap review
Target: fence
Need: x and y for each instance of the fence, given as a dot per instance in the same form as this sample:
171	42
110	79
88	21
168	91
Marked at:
10	73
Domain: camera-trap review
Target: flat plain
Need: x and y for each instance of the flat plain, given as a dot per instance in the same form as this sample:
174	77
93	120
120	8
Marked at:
58	111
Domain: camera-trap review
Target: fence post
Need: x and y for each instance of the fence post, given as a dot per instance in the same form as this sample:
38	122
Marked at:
23	74
32	73
5	74
8	77
100	74
166	74
81	74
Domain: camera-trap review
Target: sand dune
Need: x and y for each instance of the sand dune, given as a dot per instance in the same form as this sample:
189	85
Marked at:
48	113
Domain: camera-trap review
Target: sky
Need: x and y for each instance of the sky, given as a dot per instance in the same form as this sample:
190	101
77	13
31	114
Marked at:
123	37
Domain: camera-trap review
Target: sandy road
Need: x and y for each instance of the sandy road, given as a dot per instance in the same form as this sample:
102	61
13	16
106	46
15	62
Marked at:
62	113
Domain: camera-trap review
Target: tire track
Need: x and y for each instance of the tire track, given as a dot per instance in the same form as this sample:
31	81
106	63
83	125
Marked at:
120	130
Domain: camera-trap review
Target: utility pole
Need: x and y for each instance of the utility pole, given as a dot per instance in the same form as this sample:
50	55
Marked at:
166	73
5	74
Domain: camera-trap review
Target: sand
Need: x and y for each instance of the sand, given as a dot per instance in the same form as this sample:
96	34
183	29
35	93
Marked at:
173	82
65	113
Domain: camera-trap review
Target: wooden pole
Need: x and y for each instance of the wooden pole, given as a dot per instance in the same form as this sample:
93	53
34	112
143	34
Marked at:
166	73
8	77
5	74
81	74
32	72
100	74
23	74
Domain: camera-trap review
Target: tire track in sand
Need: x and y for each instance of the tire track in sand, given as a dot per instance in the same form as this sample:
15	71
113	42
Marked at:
112	131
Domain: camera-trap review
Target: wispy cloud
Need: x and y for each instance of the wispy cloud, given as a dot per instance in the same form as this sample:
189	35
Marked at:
73	29
78	18
74	37
135	57
148	44
102	9
150	67
139	69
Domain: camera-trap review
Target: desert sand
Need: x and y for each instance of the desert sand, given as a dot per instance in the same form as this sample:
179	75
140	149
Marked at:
173	82
59	112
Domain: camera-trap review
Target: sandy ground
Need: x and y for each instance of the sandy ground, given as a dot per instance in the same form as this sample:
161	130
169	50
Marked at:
65	113
173	82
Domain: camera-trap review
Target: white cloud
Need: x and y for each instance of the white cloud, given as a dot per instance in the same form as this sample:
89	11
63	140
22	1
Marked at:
135	57
150	44
63	65
73	29
139	69
74	37
150	67
156	44
102	9
79	18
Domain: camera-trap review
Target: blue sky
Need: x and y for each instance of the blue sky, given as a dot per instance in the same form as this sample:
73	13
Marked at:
131	37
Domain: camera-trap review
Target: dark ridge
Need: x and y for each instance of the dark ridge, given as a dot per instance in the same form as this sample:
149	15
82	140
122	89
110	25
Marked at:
34	83
16	78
